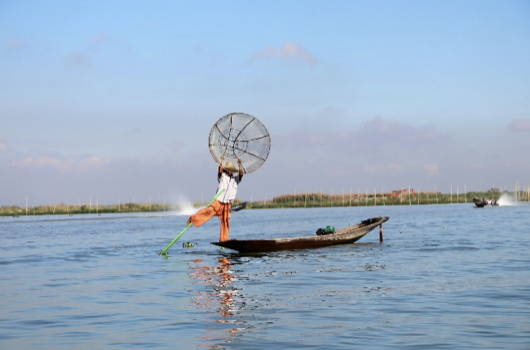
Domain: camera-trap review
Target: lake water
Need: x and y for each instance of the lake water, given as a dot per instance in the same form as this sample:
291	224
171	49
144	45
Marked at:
445	277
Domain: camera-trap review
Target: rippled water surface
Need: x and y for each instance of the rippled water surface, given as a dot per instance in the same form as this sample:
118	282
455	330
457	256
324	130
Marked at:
445	277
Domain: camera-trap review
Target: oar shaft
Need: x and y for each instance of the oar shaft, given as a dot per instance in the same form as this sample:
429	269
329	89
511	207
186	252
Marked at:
163	252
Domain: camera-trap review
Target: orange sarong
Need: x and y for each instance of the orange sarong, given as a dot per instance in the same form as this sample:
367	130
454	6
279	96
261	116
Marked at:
221	210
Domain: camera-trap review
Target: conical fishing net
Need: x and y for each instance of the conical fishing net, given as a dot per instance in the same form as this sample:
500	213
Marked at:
240	136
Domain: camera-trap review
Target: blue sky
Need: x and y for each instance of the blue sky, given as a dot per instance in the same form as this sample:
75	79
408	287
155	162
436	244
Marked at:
114	100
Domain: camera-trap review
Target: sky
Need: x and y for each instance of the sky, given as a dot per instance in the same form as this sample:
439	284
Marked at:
113	101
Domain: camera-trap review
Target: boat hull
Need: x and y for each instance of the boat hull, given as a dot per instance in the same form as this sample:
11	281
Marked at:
484	203
239	207
344	235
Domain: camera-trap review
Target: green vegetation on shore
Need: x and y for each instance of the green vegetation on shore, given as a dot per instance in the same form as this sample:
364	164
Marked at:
302	200
71	209
309	200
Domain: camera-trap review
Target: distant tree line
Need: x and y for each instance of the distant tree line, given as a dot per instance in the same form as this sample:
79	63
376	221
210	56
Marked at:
299	200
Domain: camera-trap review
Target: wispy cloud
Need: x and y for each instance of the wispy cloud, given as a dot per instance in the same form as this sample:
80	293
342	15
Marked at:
176	146
395	167
391	168
431	168
476	165
373	168
400	133
100	39
89	164
78	59
290	51
519	125
85	57
3	146
14	44
375	134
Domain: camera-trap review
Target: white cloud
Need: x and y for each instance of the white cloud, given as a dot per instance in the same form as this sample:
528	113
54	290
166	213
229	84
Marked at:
288	51
42	163
91	164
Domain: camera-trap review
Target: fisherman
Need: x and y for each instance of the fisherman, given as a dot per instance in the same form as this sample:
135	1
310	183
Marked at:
229	178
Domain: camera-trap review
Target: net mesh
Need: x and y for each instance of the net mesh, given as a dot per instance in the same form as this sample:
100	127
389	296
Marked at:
240	136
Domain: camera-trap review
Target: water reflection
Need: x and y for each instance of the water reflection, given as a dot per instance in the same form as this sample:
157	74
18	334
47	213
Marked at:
219	298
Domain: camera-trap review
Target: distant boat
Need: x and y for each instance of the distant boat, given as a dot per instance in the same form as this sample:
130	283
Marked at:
344	235
481	203
240	206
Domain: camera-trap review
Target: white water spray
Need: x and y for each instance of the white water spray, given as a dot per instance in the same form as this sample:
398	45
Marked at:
182	206
185	208
506	200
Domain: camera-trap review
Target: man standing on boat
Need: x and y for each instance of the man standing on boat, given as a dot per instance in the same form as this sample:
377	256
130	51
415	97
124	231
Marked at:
228	177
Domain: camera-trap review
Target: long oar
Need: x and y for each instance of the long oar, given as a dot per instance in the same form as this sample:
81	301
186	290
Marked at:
164	252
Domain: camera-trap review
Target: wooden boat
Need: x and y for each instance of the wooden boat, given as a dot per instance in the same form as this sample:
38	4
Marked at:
344	235
479	203
239	207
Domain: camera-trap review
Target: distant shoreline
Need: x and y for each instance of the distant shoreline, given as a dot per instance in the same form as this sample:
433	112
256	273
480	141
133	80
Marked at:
302	200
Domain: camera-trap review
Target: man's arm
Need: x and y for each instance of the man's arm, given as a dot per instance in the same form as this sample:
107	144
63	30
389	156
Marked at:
220	169
240	170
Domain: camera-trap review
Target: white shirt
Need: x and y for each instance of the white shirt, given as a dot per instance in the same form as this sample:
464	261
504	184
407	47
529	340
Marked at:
230	186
